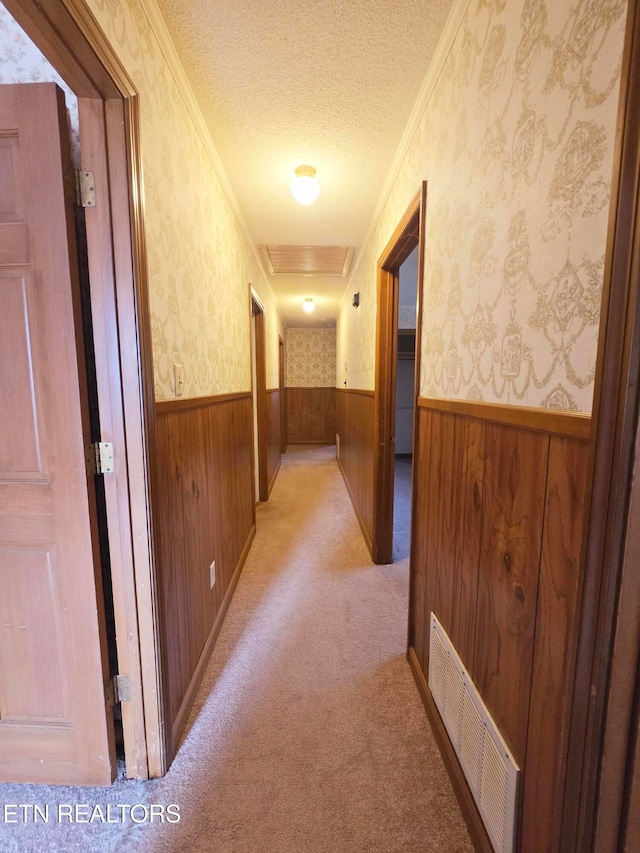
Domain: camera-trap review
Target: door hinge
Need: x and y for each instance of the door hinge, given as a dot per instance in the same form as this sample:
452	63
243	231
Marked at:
85	189
99	456
117	689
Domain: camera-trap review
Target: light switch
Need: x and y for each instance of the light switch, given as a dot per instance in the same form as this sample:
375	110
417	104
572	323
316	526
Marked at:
178	375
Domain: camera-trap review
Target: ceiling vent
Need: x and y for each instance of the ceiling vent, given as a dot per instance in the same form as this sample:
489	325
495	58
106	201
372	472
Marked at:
307	260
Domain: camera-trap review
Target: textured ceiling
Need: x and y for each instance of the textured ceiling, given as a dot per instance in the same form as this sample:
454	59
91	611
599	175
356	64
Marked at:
286	82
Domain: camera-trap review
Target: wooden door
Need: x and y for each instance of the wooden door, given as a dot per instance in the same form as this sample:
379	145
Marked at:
54	723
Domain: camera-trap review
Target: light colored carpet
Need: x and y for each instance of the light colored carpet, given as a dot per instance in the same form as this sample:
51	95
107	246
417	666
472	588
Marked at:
308	734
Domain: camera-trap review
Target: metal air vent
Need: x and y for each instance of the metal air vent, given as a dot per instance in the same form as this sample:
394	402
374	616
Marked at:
491	772
307	260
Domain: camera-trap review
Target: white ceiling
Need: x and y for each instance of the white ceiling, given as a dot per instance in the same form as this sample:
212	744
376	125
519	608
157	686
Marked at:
330	83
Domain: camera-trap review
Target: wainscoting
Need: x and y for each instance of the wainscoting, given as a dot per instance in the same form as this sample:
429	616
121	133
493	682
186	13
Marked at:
206	512
497	526
275	439
311	415
355	417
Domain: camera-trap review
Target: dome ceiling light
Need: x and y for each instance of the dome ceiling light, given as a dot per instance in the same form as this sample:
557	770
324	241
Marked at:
308	305
304	187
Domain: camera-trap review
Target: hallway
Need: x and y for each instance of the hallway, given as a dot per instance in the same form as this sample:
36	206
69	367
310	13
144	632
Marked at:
308	734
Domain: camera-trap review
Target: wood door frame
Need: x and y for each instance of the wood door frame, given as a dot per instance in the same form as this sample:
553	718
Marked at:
284	422
260	392
408	234
68	35
604	718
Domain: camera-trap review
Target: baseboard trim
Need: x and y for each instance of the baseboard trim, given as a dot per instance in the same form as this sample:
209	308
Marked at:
461	789
363	526
179	723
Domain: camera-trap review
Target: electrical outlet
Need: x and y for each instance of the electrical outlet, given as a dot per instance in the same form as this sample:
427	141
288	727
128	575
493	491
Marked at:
178	376
212	575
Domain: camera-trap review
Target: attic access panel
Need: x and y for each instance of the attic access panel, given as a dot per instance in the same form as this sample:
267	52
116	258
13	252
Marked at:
307	260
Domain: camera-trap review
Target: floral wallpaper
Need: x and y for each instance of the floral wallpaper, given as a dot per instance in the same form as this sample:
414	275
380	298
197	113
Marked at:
310	358
22	62
516	143
200	264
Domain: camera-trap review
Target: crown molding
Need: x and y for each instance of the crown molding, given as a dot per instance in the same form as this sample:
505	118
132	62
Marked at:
443	48
160	31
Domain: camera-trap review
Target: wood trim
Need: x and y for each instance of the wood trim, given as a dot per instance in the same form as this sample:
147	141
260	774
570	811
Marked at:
356	509
361	391
461	789
600	731
416	415
104	307
196	679
263	407
163	407
133	294
69	36
274	409
403	241
570	425
283	394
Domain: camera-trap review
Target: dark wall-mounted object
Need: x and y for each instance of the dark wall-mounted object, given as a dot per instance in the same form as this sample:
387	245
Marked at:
356	299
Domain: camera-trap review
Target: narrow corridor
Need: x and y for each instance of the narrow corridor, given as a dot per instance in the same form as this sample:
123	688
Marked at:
308	734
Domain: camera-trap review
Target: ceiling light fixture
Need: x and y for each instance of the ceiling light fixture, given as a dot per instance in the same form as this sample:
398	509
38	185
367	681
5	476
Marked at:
308	305
304	187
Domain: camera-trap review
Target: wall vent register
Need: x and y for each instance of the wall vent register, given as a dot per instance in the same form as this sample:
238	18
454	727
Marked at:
488	765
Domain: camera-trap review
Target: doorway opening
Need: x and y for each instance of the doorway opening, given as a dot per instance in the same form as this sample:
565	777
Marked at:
397	384
405	404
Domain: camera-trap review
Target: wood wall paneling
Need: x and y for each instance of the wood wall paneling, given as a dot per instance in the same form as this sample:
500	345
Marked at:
470	535
169	516
418	605
205	504
497	539
514	492
448	513
554	649
355	426
311	415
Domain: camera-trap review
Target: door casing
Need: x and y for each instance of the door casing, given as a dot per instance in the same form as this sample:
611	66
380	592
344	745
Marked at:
259	391
69	37
408	234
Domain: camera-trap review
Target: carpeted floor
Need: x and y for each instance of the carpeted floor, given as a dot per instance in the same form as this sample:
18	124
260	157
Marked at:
402	509
308	734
